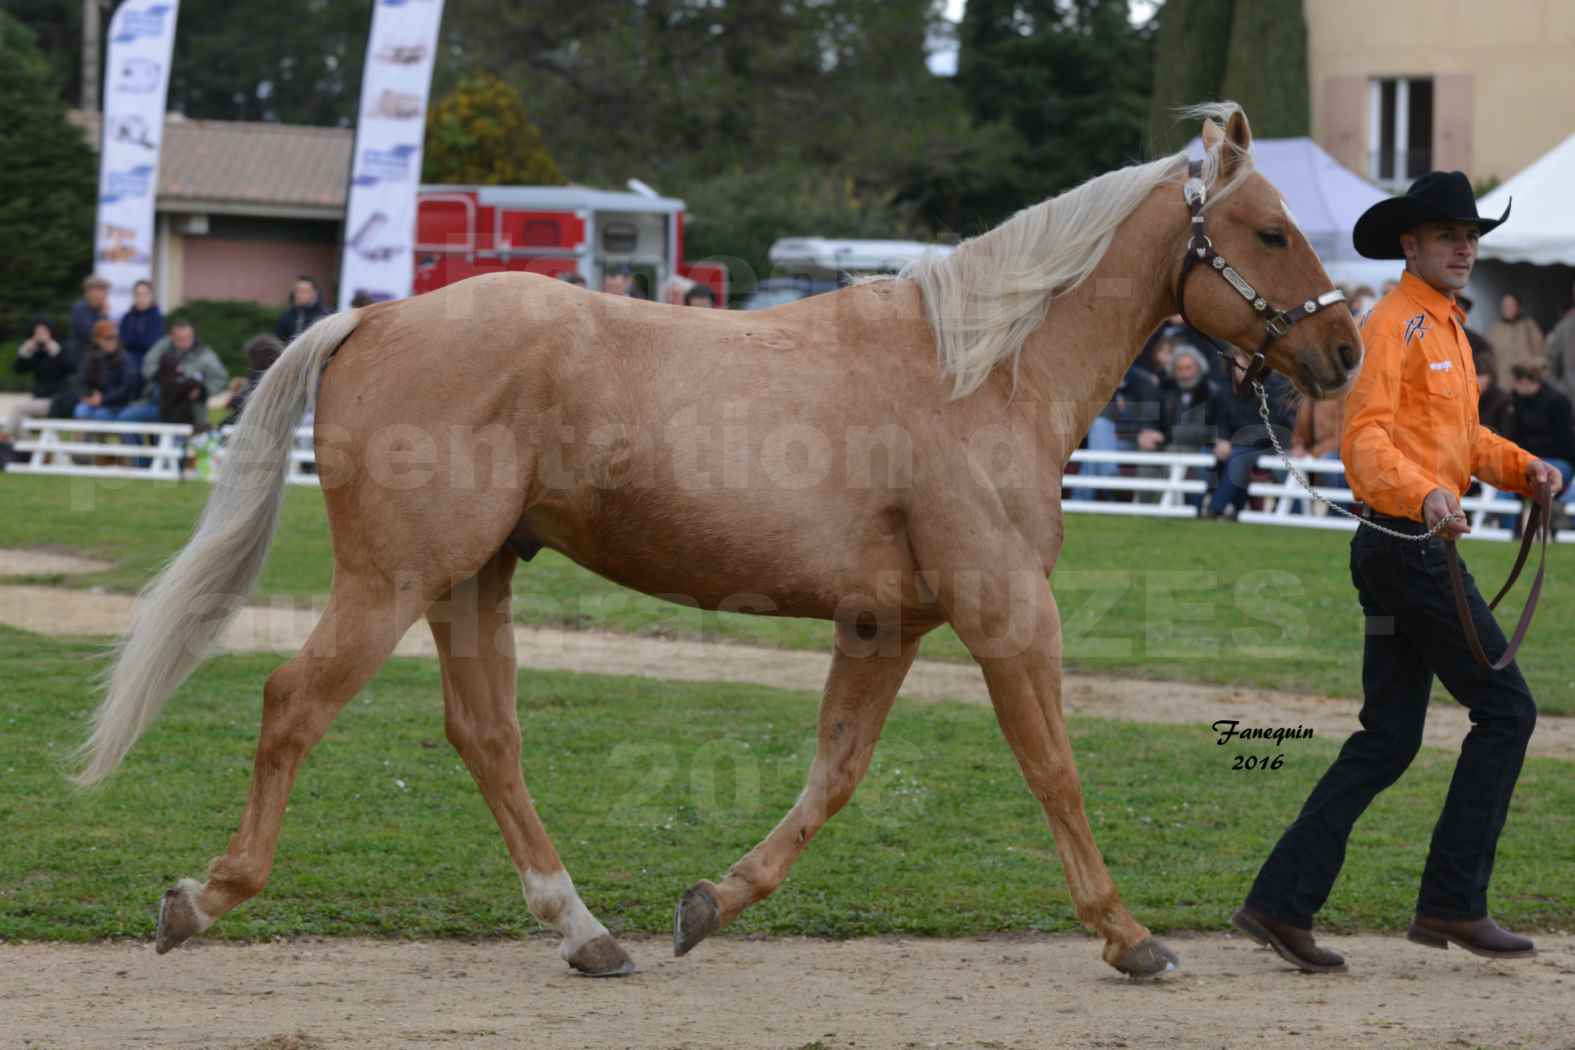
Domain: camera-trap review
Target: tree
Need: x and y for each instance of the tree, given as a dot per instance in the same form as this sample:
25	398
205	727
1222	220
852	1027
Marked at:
1071	77
737	215
48	185
1189	65
480	134
1274	93
292	61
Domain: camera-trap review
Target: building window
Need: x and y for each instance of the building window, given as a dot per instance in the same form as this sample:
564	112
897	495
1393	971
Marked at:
1401	138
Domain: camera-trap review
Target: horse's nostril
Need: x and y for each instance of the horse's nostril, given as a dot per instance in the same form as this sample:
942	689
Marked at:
1350	357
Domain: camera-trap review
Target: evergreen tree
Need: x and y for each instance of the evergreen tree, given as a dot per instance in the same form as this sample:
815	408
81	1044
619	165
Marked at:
480	134
1072	78
48	186
1189	65
1266	70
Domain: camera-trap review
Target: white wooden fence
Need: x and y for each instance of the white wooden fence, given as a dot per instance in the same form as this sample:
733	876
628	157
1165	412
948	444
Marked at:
1157	481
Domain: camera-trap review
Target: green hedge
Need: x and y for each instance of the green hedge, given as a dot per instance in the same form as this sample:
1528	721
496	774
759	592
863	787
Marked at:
224	324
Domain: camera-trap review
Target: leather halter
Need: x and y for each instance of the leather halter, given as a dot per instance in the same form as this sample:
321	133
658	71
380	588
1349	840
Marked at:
1200	251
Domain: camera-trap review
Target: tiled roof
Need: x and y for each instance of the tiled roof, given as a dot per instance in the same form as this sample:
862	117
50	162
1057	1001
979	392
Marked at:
263	166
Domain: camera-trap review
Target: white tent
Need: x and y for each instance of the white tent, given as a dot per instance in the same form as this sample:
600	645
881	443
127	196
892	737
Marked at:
1541	229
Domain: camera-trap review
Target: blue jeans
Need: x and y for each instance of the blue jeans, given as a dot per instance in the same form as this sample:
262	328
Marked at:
97	413
1235	474
1101	438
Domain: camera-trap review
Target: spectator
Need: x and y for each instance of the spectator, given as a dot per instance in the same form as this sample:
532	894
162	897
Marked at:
571	277
107	382
1130	421
1479	342
1542	423
52	366
306	309
1187	415
1316	434
188	358
1361	300
88	311
618	279
700	295
261	352
142	326
1561	354
1516	339
1495	405
1240	438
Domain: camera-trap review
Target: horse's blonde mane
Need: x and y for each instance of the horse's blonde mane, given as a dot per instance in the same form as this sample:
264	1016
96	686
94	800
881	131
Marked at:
984	299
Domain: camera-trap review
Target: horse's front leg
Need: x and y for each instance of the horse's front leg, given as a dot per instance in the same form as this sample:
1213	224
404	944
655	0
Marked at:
1009	620
860	691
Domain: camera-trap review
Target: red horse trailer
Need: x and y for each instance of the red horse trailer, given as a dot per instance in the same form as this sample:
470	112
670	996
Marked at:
462	231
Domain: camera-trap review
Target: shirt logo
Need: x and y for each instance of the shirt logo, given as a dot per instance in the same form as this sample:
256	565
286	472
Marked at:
1416	327
1439	366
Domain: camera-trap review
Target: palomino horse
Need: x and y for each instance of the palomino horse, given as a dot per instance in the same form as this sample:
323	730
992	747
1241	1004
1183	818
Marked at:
806	461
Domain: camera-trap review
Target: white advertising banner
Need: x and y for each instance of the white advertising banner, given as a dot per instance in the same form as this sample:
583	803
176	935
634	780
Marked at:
136	76
380	214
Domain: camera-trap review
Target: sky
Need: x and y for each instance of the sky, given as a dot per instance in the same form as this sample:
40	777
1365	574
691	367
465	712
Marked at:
943	60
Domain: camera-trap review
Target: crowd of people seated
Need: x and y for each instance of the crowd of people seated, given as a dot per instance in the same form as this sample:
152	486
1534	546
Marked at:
143	368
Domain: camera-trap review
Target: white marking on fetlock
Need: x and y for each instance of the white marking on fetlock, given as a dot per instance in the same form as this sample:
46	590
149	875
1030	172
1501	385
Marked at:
554	901
191	889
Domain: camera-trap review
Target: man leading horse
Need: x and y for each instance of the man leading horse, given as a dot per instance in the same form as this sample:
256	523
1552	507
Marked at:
1411	444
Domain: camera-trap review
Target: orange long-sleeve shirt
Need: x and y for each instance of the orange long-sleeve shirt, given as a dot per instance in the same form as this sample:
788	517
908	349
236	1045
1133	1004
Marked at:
1411	417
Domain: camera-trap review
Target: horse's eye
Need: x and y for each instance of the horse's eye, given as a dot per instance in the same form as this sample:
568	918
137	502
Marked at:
1273	238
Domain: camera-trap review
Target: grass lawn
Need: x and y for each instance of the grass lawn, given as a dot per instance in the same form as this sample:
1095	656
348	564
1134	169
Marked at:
1204	601
648	785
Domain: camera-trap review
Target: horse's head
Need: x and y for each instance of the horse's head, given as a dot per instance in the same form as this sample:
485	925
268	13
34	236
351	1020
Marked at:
1252	279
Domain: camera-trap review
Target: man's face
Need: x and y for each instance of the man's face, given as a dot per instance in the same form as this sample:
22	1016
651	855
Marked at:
182	336
303	293
1442	253
142	296
616	284
1526	386
1509	307
96	295
1186	370
110	344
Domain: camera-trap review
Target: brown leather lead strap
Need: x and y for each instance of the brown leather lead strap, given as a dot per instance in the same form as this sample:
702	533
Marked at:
1540	523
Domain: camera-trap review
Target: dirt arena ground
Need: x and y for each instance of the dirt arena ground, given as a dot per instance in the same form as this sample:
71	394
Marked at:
793	994
779	994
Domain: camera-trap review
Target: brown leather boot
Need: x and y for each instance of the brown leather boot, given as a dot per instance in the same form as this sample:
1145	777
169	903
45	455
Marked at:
1479	936
1296	946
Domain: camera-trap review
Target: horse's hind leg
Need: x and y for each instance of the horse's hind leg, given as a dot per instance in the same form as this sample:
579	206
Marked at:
858	695
475	642
358	630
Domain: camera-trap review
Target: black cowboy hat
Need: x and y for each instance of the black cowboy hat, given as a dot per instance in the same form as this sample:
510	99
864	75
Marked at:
1436	195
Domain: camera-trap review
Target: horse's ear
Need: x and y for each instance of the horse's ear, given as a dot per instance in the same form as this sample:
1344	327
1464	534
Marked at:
1238	136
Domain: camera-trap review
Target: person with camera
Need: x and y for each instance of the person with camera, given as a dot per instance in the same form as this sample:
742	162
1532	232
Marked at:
51	366
191	373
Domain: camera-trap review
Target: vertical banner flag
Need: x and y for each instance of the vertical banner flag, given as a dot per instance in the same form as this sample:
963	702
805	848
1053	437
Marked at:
136	76
385	171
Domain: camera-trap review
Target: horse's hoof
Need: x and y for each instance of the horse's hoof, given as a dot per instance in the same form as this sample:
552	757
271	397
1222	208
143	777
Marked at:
697	918
1151	958
602	957
179	916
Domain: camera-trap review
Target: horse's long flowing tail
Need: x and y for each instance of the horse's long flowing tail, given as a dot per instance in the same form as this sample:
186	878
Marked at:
182	611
